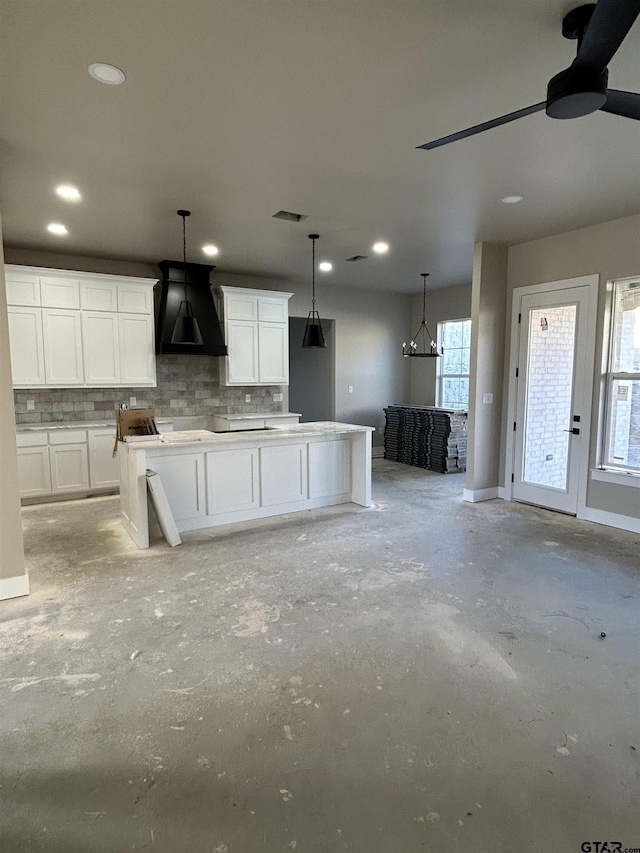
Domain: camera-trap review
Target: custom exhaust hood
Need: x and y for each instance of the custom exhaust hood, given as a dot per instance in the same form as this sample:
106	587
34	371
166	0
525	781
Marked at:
186	296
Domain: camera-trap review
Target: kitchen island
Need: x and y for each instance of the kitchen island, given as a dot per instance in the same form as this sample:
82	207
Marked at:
221	478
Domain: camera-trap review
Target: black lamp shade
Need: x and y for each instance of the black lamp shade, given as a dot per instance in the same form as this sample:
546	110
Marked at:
186	329
313	336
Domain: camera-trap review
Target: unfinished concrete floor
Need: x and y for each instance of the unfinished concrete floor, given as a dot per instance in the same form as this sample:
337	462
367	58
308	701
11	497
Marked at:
423	675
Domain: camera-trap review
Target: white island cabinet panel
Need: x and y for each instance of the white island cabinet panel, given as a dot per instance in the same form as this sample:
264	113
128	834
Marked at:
329	468
232	480
283	474
183	479
27	346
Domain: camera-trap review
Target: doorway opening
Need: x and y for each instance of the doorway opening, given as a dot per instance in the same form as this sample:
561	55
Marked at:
311	373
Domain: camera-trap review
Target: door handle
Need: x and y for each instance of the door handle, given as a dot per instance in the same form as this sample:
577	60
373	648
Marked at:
574	431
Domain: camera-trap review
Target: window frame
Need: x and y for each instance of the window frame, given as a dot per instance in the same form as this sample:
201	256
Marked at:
440	375
611	376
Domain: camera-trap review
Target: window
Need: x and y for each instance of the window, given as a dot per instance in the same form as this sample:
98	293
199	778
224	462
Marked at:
452	388
622	433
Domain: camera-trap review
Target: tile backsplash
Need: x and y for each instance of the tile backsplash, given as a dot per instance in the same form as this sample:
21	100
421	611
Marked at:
188	386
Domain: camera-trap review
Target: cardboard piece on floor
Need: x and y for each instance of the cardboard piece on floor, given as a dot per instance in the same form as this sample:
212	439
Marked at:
162	508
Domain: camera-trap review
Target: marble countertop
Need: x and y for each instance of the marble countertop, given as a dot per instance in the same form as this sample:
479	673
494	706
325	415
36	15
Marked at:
184	438
77	425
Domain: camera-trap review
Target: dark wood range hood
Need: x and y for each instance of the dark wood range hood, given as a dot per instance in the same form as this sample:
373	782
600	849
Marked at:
198	293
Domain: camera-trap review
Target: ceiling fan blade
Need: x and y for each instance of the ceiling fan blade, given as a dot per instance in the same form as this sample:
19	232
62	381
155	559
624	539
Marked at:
487	125
609	24
622	104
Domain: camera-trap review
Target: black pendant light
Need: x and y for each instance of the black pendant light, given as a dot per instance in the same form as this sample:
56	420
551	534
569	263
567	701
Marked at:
186	329
422	344
313	336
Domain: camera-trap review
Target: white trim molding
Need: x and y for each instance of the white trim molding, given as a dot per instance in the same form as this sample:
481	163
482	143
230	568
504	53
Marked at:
612	519
377	452
14	587
504	493
474	496
620	478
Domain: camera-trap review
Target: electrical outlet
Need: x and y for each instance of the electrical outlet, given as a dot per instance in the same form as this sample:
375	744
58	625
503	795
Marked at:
133	401
277	398
31	405
351	389
247	398
487	398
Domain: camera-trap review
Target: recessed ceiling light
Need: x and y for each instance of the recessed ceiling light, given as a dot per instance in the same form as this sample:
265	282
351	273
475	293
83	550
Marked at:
325	266
210	250
57	228
380	248
512	199
68	192
108	74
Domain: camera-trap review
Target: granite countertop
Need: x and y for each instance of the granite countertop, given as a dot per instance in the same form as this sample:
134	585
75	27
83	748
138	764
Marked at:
77	425
189	437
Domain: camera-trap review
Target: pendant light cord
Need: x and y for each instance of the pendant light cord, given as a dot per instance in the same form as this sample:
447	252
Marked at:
313	276
184	253
424	297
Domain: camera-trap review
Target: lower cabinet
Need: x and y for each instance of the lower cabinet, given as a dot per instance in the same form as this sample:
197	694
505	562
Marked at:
232	480
183	479
283	474
64	461
329	468
33	471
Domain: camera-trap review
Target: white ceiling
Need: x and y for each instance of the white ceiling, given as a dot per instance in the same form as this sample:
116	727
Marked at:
236	109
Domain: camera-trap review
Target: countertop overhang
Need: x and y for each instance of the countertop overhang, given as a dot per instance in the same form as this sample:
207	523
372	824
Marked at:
200	438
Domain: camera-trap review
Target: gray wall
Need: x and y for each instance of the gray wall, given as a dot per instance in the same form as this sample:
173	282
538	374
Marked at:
445	303
311	373
611	250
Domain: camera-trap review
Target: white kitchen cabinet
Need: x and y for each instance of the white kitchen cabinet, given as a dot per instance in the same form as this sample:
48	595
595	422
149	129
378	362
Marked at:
283	474
329	468
34	473
256	324
103	465
233	481
137	360
76	329
242	361
27	346
62	337
69	468
273	353
183	479
101	348
59	291
97	295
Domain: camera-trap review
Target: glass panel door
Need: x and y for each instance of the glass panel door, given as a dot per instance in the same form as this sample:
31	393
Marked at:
550	415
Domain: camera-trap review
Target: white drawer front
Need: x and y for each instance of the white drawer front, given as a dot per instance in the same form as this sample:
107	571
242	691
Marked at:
67	436
31	439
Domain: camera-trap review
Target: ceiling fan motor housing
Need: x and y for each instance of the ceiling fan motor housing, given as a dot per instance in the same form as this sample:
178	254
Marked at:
576	91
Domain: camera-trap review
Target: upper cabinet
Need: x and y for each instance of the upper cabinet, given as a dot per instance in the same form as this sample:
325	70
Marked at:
74	329
256	326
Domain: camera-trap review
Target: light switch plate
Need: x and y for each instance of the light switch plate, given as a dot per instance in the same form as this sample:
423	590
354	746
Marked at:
31	405
133	401
351	389
487	398
247	398
277	398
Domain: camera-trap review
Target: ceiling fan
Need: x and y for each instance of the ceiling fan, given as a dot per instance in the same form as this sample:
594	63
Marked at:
600	29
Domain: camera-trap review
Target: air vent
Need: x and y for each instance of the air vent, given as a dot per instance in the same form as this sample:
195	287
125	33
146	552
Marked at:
288	216
358	258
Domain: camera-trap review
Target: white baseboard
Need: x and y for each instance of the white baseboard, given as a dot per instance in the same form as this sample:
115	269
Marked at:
503	493
377	452
14	587
612	519
474	496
